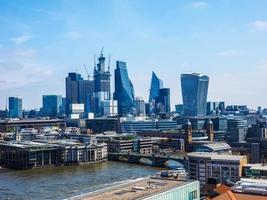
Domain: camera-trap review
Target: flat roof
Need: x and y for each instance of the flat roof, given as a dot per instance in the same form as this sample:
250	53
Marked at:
27	144
134	190
257	166
214	156
31	121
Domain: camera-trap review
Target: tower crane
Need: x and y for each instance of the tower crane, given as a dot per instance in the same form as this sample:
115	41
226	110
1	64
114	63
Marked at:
88	75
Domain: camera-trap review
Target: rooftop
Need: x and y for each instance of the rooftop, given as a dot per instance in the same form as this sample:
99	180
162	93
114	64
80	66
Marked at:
214	156
258	166
217	146
134	190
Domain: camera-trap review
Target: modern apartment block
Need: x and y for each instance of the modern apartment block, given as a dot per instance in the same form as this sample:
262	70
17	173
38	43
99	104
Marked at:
225	168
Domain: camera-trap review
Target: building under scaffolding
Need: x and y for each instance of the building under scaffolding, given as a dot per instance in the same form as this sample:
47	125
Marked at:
32	154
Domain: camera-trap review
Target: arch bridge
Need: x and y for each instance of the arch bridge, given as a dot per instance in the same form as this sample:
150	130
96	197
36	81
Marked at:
156	160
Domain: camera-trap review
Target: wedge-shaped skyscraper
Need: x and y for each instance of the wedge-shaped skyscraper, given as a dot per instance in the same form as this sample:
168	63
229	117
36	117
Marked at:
194	92
124	91
156	85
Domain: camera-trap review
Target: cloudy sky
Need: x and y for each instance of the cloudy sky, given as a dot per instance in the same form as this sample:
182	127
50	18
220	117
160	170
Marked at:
41	41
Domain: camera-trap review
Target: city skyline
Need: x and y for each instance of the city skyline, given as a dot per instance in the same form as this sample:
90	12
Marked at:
194	36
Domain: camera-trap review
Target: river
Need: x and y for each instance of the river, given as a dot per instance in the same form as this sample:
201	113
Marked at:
63	182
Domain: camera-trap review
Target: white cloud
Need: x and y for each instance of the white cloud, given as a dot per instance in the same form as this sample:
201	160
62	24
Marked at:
231	52
47	12
74	35
19	75
199	4
26	53
21	39
258	25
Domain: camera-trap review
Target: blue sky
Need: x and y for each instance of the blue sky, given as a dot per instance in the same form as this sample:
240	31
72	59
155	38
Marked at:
41	41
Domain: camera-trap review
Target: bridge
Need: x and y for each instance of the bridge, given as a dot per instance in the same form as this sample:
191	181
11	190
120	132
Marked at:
156	160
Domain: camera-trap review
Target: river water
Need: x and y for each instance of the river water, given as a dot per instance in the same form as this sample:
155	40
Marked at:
63	182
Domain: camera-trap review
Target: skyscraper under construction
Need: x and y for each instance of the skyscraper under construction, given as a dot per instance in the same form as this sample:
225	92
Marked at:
101	84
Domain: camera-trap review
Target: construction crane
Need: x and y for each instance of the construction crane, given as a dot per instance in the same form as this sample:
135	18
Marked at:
87	73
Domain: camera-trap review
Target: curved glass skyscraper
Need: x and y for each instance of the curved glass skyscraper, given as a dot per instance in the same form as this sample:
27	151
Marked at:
156	85
194	92
124	91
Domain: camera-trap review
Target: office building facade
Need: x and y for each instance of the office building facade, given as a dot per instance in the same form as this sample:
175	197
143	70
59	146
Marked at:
223	167
101	85
124	91
156	85
194	91
72	90
163	104
15	107
51	105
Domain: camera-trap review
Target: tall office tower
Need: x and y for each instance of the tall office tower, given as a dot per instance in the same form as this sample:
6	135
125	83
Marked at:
86	94
194	92
15	107
163	101
72	90
124	91
156	84
63	107
140	106
52	105
101	85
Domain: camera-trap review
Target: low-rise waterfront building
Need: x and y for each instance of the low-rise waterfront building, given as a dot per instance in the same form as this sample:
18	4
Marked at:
44	153
223	167
148	189
16	125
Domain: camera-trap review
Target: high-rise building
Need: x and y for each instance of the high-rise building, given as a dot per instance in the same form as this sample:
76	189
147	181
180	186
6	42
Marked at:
86	94
156	85
124	90
72	90
194	92
15	107
51	105
163	101
179	109
101	85
140	107
214	108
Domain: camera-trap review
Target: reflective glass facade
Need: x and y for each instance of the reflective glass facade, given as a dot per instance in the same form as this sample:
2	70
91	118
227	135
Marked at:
52	105
101	85
156	85
163	100
124	91
15	107
72	89
194	92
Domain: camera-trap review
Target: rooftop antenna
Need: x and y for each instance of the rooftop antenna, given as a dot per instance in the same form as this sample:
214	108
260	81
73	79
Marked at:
101	53
88	75
109	62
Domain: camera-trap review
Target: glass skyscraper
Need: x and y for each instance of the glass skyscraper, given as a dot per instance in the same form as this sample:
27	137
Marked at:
101	85
86	95
194	92
15	107
163	101
156	85
52	105
72	89
124	91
